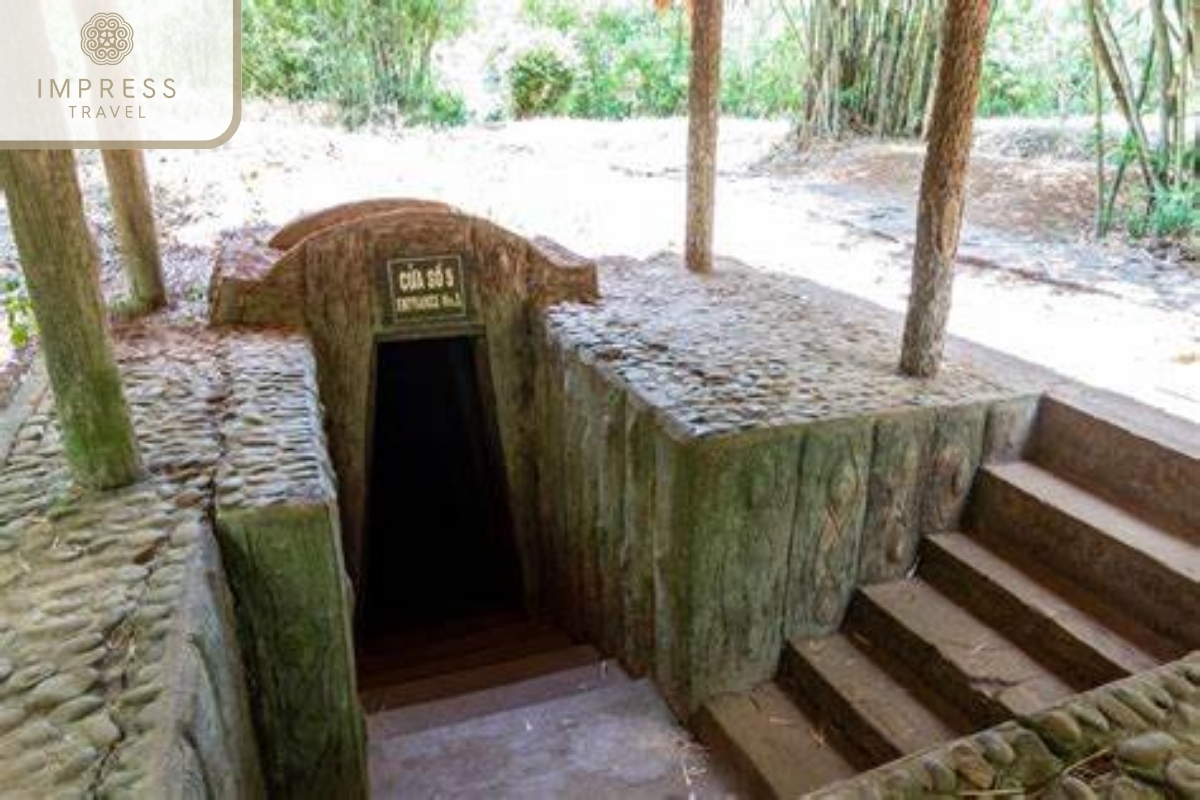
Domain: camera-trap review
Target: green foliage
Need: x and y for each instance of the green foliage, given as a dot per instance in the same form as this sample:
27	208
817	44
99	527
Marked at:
763	81
539	80
1037	62
560	15
17	310
1173	213
632	63
374	58
440	108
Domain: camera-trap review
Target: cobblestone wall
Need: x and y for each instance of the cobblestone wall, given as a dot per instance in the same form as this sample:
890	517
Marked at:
120	672
121	655
1137	738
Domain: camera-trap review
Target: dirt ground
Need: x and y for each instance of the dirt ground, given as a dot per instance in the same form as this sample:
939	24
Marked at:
1030	281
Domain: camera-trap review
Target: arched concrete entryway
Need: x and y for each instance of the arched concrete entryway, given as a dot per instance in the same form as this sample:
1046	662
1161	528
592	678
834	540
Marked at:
388	290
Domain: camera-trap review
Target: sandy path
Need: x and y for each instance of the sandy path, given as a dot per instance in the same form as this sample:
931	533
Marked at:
1110	316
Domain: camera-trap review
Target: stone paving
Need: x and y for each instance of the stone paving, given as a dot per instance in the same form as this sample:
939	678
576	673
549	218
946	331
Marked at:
274	445
119	669
745	349
618	742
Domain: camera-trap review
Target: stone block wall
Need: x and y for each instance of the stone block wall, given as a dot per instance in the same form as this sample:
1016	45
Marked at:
695	558
190	635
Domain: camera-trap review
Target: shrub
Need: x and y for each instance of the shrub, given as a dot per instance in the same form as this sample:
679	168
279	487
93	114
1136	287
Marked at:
440	108
17	309
632	63
539	81
374	58
1174	213
764	82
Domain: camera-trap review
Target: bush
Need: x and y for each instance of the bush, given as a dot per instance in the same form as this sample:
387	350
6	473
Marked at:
1174	213
440	108
17	309
633	63
539	81
764	82
374	58
1036	62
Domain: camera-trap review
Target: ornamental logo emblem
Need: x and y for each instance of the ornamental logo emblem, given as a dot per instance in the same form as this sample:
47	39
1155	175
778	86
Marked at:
107	39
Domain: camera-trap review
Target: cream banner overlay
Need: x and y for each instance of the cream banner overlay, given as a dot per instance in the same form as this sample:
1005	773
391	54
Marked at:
119	73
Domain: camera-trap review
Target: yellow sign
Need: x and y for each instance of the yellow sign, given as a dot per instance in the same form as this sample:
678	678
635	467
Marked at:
430	287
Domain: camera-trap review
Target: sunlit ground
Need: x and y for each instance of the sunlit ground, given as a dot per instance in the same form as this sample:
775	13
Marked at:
1111	316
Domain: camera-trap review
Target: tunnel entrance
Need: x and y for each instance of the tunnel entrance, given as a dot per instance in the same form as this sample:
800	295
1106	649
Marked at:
439	550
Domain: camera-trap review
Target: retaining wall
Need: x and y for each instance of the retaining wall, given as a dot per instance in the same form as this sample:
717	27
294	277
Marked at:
690	536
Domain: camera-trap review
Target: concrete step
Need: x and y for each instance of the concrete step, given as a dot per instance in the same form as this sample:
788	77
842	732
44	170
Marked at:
1133	456
1088	641
485	676
533	691
980	671
384	653
776	750
1144	569
615	741
836	679
504	644
435	639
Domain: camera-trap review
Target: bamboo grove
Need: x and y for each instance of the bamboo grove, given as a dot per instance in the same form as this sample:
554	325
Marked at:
1164	152
869	64
869	68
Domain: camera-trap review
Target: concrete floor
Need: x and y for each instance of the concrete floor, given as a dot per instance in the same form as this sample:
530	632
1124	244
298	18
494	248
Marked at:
612	741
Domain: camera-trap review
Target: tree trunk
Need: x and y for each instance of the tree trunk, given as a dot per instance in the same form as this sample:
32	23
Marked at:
62	272
704	101
133	212
943	184
1112	60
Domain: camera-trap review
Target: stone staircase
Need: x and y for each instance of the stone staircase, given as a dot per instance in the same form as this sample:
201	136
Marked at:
1073	568
556	723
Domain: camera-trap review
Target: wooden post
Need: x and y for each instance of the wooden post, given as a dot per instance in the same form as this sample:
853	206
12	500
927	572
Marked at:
133	212
704	111
62	271
943	184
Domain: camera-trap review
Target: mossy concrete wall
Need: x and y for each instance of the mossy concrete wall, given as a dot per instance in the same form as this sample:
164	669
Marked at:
693	558
277	521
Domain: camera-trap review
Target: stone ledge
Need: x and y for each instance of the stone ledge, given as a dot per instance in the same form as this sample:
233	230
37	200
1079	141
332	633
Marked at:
273	441
119	673
1135	738
744	351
